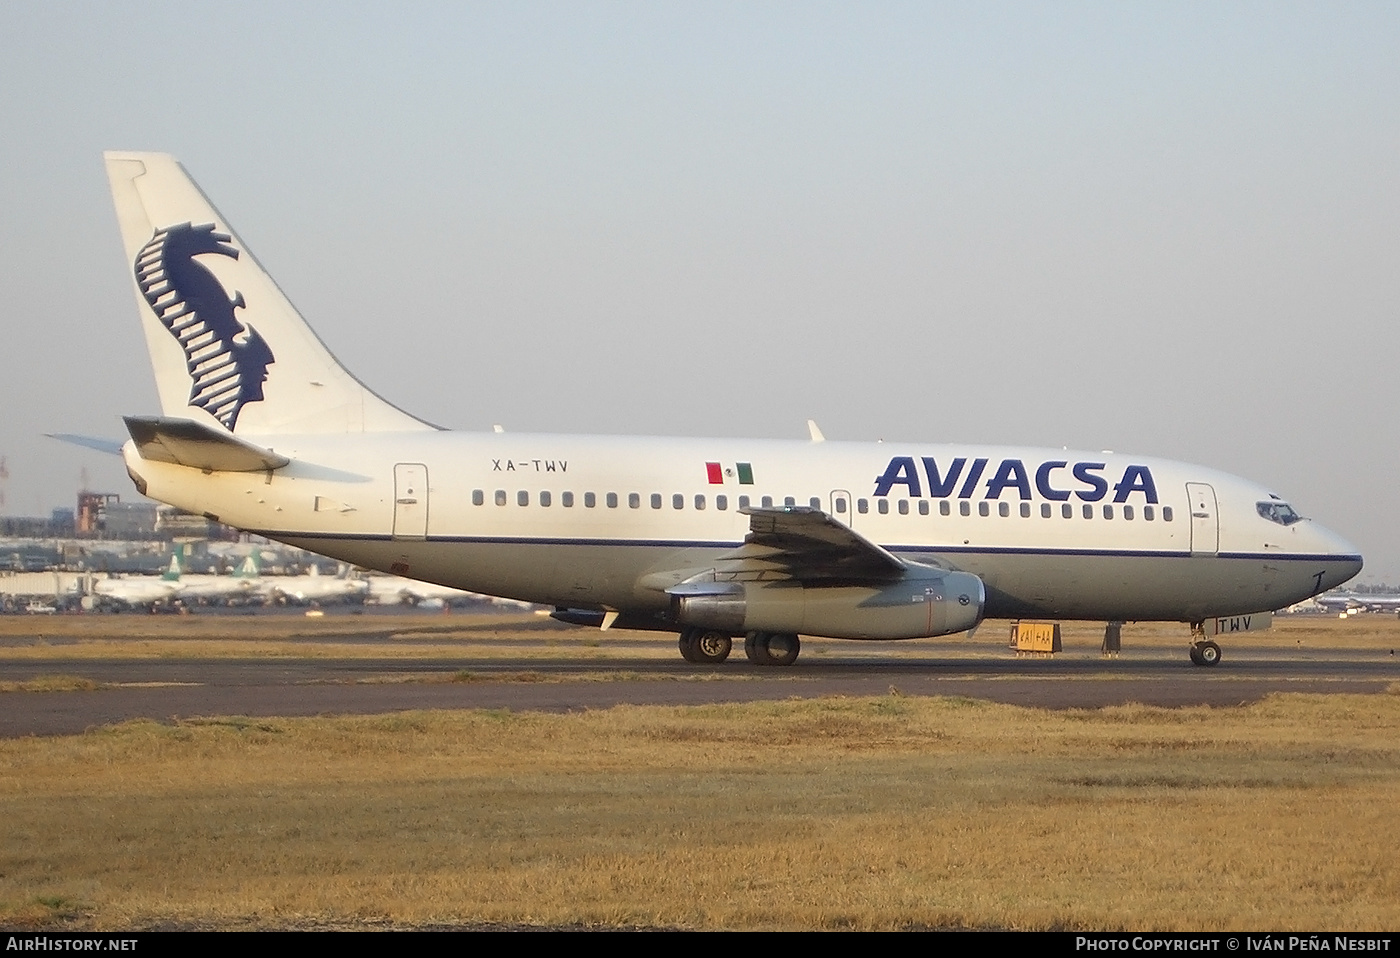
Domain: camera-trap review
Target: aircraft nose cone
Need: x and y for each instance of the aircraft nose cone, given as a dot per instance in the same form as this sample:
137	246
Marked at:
1344	558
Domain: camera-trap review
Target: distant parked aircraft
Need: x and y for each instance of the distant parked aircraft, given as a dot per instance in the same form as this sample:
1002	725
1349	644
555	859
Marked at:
314	587
147	591
245	582
1358	601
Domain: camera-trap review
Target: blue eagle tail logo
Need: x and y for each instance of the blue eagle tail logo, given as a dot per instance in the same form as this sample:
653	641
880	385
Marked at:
227	360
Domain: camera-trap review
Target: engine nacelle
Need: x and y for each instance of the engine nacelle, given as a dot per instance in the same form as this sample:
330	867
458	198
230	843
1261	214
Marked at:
920	605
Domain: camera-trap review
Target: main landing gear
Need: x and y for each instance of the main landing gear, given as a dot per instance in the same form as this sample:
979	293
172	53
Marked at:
1203	650
705	646
711	647
772	648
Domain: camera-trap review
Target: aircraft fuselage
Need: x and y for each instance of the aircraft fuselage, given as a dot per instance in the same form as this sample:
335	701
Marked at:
610	522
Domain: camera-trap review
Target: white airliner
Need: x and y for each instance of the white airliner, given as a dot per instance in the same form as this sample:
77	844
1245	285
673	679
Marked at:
312	587
243	583
141	590
1359	602
263	429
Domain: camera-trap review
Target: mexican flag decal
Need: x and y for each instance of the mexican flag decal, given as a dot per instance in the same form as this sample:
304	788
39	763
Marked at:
719	474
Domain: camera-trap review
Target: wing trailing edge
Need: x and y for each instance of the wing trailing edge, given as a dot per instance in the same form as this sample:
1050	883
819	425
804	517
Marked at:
798	542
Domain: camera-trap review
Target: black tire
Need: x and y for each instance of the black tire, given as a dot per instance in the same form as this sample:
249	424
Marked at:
772	648
783	648
1196	655
1209	654
687	645
709	647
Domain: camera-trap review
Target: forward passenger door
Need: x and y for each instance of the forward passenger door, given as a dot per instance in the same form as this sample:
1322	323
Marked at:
1205	520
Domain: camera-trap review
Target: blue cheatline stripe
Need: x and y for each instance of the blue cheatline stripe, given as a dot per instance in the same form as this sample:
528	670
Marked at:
731	544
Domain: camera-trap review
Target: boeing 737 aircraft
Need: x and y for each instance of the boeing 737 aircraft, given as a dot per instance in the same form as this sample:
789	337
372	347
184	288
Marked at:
141	590
263	429
1359	602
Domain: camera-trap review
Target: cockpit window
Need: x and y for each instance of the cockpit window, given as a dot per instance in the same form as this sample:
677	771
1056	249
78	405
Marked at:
1280	512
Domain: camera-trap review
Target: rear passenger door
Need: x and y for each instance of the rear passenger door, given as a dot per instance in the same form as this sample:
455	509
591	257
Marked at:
410	500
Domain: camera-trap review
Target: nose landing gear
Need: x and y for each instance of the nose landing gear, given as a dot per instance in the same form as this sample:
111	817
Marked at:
1203	650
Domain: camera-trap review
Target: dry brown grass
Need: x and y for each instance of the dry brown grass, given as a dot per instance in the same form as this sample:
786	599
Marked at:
52	683
839	813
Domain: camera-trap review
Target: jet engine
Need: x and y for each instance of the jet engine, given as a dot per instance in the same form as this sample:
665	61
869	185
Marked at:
921	604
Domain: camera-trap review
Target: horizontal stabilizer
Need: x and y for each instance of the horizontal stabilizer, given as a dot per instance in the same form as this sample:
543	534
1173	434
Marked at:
188	443
110	446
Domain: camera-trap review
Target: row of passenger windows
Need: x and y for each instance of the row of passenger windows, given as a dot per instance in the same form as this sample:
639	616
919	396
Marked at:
882	506
1067	511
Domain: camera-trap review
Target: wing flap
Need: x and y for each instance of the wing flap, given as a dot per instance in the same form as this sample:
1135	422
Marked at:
185	442
798	542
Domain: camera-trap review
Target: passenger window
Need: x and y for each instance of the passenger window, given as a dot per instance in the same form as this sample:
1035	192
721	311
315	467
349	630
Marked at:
743	502
1045	510
500	497
722	503
1003	509
862	506
840	505
923	507
522	498
882	506
767	502
699	502
478	497
1088	511
545	499
1067	511
656	500
814	502
1108	512
589	500
964	508
566	499
1166	513
789	502
612	500
984	508
904	507
1025	510
944	509
678	501
634	500
1128	512
1148	514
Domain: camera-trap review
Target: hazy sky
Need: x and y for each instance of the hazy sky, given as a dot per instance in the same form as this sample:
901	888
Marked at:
1169	229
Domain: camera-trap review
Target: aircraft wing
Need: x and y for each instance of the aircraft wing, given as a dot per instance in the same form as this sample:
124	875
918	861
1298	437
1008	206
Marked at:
185	442
798	542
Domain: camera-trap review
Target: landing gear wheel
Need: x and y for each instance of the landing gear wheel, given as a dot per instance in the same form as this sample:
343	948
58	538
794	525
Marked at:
1196	655
687	645
710	647
1208	653
705	646
772	648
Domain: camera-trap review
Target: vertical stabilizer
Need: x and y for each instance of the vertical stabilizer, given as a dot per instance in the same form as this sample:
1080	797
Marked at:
227	346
